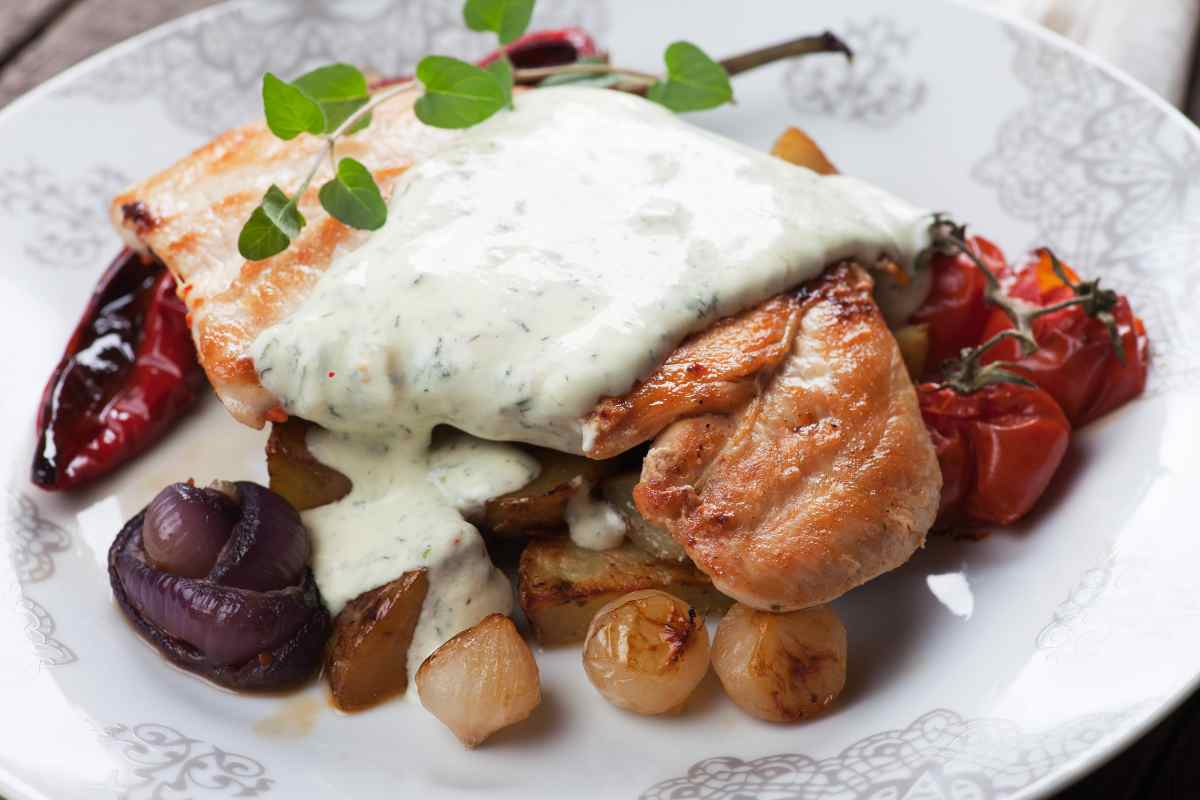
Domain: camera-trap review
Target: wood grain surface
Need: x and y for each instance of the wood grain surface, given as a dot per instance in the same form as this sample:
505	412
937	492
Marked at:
40	38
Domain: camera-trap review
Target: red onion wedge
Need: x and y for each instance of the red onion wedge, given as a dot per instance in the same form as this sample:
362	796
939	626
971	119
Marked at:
220	626
268	547
186	527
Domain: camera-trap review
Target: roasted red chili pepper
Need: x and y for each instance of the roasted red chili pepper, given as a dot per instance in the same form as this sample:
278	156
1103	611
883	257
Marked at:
957	309
128	373
1091	357
548	48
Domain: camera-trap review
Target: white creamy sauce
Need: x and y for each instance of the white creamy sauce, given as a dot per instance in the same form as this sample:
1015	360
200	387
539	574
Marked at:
468	471
396	520
548	257
593	523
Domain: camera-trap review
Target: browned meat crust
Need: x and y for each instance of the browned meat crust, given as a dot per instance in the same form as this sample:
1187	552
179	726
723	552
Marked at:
823	480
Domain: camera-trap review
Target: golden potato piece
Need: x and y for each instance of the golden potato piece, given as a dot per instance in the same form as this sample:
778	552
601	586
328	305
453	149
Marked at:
797	147
295	473
913	341
482	680
538	508
618	491
561	586
781	667
367	661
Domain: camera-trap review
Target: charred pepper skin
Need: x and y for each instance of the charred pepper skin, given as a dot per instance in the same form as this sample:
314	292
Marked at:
128	374
546	48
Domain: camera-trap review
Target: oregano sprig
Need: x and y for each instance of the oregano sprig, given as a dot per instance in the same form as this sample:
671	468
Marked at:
334	101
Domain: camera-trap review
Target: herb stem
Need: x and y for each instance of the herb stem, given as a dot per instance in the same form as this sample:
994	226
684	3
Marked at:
530	74
376	99
825	42
805	45
349	122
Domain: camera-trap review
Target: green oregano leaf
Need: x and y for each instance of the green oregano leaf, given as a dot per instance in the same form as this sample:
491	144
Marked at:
352	197
457	94
289	111
339	90
271	227
507	18
501	69
694	81
599	80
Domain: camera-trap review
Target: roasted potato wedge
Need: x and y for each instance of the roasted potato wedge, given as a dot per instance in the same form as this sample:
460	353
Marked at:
538	508
295	473
561	586
618	490
913	341
797	147
367	661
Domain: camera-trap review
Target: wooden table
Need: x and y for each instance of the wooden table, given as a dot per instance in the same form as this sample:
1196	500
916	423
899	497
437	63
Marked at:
39	38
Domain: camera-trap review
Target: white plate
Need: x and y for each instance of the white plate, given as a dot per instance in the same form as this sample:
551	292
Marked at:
1003	668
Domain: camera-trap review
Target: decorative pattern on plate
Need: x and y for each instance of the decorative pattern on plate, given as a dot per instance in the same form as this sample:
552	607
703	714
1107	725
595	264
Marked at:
32	539
1113	184
1125	587
940	756
164	763
208	74
39	629
70	227
872	89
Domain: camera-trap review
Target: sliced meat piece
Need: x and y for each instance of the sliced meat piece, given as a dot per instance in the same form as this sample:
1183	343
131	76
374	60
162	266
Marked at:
823	480
712	371
190	216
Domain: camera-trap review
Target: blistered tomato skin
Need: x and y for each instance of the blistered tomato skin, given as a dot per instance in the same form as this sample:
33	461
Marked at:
1075	361
998	449
956	310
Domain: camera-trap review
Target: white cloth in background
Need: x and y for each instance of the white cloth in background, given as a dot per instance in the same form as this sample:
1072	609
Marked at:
1152	40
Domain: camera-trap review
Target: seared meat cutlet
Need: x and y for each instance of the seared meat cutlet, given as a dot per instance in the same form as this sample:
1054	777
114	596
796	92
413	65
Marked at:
820	480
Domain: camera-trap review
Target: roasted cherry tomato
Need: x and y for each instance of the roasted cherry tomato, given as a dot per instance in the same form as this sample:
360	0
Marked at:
957	310
1076	361
129	372
998	448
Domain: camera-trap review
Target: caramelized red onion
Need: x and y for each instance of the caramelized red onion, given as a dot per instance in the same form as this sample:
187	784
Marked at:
268	547
186	528
254	618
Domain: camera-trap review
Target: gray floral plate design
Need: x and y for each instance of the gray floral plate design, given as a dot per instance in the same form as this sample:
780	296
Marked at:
995	669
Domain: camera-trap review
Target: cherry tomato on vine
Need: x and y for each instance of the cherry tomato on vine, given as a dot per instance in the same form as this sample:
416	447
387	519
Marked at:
1076	361
998	447
956	310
